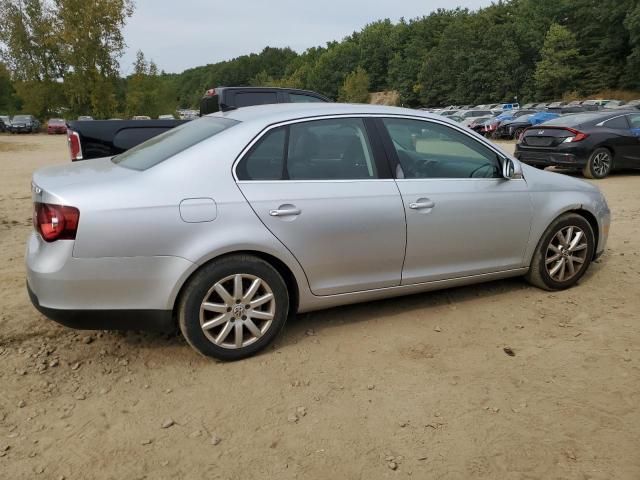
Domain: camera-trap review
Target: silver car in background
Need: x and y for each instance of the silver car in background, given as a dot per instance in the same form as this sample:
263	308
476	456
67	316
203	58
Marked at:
229	224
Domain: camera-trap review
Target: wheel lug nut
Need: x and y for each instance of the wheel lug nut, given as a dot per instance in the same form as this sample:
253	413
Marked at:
244	317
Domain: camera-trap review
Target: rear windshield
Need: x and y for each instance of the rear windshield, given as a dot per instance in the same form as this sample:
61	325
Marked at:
576	119
167	144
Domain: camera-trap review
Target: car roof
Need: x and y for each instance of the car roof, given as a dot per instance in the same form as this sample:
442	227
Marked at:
281	112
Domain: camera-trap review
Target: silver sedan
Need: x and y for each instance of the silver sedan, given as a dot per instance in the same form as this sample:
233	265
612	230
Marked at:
229	224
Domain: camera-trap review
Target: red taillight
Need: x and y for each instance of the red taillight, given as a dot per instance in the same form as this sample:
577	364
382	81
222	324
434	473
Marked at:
577	136
74	145
55	222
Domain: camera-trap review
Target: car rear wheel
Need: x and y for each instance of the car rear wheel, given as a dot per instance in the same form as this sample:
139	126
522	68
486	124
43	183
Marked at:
563	253
233	307
518	133
599	164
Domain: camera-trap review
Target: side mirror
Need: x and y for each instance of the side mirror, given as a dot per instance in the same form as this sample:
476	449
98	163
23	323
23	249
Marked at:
511	170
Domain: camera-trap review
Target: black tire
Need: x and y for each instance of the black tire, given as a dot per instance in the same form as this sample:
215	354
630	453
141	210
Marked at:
198	289
539	275
517	133
599	164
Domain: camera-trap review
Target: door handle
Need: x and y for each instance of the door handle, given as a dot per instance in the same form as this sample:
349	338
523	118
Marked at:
422	203
285	212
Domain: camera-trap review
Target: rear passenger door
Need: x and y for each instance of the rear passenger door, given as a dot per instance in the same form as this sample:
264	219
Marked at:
324	189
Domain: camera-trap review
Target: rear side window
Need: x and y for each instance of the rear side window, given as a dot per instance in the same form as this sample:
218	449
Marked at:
265	161
246	99
618	123
298	98
335	149
164	146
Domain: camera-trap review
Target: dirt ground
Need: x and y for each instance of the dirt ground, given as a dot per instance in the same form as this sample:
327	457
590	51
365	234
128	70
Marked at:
411	387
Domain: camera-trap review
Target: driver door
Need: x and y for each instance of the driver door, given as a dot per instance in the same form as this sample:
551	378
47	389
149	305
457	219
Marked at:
463	218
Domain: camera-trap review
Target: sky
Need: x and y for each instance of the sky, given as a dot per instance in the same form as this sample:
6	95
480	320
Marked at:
181	34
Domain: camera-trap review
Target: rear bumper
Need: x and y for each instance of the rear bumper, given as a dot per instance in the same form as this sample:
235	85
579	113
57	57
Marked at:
103	292
149	320
550	158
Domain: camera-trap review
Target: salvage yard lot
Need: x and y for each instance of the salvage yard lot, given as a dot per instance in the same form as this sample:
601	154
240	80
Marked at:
417	386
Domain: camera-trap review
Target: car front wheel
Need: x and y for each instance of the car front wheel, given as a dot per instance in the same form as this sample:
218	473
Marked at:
599	164
563	253
233	307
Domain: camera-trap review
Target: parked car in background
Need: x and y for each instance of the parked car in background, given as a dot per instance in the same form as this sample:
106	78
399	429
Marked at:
4	122
304	207
166	117
56	125
477	125
491	125
448	113
104	138
514	127
469	116
24	124
84	118
594	142
141	117
221	99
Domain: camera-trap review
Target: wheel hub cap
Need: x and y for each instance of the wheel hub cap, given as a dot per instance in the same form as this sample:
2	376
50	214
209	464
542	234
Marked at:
237	311
566	253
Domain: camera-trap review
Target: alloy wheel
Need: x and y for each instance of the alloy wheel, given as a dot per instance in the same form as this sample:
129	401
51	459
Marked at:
601	164
237	311
566	253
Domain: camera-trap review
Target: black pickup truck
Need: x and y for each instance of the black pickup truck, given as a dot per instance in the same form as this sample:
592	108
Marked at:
104	138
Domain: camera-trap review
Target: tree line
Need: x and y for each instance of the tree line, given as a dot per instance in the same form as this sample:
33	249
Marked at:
56	56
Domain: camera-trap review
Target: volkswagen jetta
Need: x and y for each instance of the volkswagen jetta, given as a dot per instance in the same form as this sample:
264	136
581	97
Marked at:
227	225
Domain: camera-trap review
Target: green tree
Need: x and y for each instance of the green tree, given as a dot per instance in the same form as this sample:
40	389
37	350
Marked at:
356	87
631	77
93	42
9	102
557	70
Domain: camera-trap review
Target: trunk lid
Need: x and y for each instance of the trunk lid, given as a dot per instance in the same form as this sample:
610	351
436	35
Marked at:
545	136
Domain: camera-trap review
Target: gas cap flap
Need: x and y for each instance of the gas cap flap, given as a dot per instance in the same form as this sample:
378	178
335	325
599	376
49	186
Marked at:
197	210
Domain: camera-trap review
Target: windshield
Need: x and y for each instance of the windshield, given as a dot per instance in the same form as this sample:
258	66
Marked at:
166	145
21	118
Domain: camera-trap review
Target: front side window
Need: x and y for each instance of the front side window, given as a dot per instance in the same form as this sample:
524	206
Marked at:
618	123
634	120
432	150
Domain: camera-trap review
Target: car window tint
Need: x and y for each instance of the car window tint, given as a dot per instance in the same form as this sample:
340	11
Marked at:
618	123
634	120
432	150
167	144
336	149
298	98
266	158
246	99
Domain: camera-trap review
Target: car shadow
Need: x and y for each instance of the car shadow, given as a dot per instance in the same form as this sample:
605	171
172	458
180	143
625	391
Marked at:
628	172
313	323
304	327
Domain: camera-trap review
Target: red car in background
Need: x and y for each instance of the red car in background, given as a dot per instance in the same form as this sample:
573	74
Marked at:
56	125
